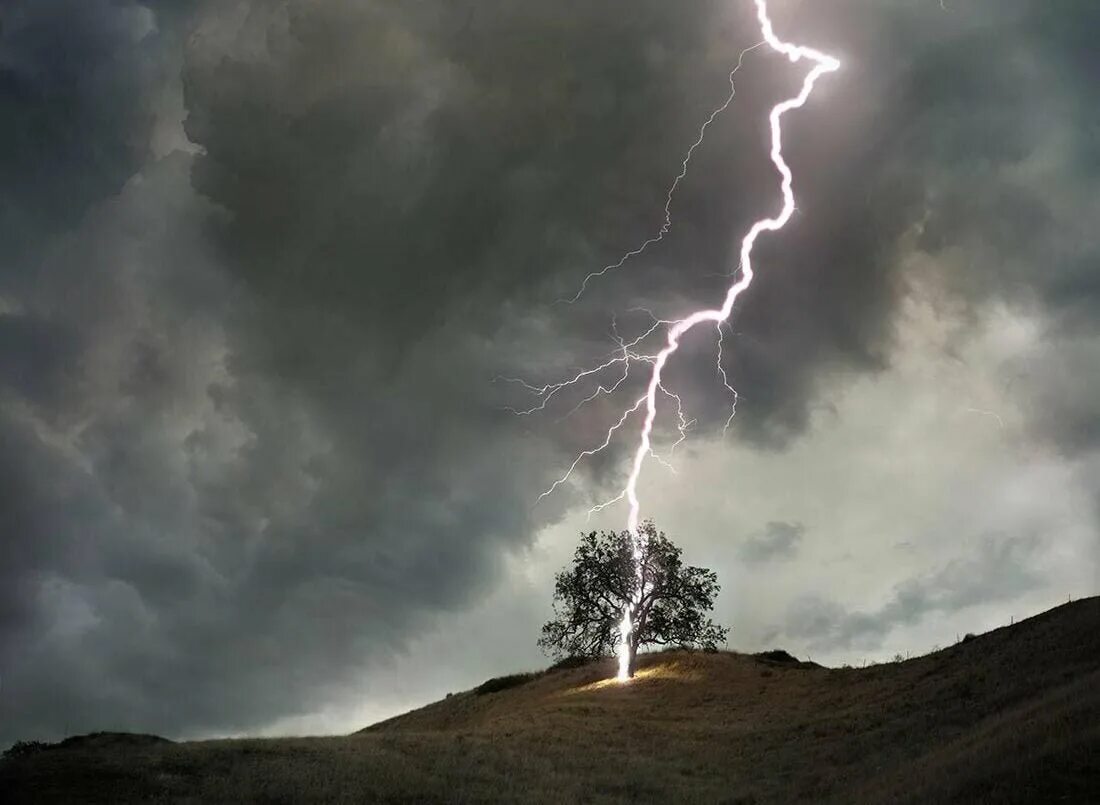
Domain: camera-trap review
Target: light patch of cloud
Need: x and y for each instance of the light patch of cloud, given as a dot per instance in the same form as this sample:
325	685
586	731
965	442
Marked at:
1000	570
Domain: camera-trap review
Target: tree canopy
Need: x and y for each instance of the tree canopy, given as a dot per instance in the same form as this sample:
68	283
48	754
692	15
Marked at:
668	605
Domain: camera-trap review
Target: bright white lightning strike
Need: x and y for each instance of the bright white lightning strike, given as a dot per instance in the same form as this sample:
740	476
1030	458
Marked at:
822	64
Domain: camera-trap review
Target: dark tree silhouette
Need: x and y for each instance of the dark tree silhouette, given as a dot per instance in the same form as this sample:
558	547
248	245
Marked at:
669	607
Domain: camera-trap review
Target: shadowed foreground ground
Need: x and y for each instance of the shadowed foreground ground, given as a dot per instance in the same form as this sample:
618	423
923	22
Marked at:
1010	716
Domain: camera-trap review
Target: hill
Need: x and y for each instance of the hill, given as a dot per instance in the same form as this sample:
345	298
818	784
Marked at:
1010	716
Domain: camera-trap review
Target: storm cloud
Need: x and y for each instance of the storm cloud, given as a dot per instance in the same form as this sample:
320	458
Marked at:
263	261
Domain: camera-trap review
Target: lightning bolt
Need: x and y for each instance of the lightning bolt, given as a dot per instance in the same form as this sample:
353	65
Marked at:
667	223
984	412
628	353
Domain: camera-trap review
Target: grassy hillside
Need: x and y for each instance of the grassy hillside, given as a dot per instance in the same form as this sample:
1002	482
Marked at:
1010	716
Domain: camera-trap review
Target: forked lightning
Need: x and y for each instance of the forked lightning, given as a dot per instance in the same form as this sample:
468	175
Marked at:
628	355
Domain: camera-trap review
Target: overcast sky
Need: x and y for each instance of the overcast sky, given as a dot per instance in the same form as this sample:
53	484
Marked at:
263	259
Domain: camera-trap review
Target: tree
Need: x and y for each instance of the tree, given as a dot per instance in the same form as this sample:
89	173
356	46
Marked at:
668	606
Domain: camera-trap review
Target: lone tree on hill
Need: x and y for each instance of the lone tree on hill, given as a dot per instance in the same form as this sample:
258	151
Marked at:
669	607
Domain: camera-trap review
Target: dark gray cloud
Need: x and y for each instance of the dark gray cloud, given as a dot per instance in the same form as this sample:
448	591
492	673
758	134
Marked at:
778	540
248	435
74	79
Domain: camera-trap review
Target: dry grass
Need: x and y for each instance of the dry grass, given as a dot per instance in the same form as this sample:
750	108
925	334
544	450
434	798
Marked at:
1011	716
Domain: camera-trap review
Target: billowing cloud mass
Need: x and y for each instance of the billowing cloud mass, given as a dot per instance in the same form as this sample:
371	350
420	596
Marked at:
265	263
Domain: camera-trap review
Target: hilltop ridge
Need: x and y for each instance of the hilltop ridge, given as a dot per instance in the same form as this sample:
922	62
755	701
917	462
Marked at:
1012	715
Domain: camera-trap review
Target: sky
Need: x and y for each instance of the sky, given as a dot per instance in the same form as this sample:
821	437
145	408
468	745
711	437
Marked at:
265	262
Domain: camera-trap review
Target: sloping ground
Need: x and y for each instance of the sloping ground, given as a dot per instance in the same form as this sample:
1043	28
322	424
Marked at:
1010	716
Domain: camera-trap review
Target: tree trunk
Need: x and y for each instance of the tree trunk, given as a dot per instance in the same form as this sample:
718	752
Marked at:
638	618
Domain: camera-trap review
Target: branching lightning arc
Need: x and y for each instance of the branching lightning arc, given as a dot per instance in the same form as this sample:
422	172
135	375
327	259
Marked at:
628	355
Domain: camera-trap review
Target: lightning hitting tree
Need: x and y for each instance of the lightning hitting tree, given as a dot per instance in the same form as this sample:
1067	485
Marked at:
669	608
630	353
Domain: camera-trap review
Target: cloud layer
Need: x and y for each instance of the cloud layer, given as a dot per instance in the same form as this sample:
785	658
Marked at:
263	261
